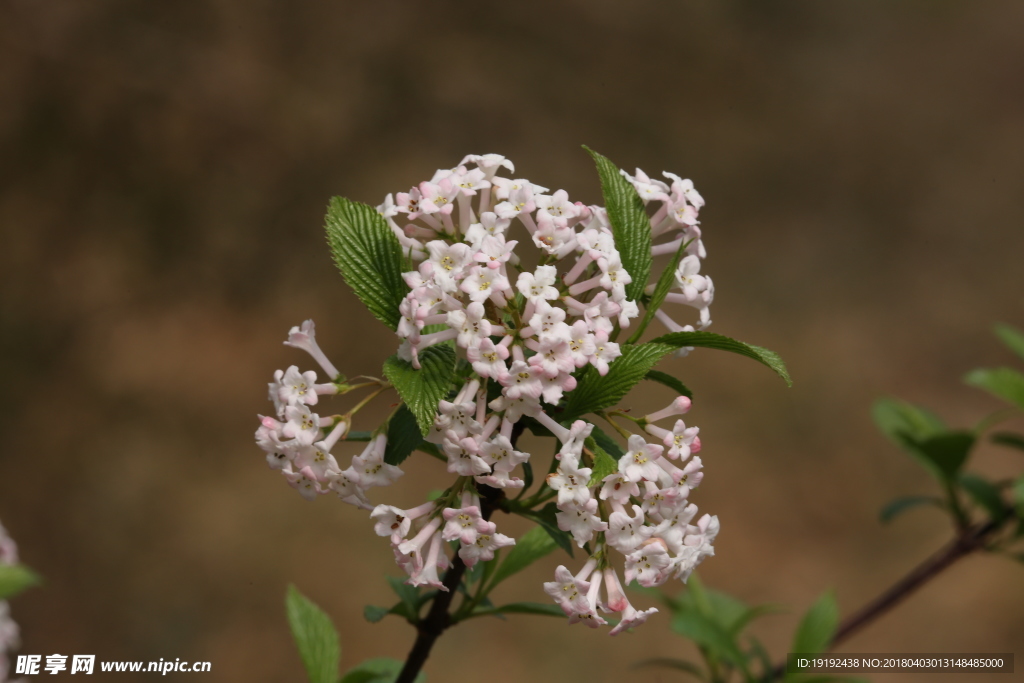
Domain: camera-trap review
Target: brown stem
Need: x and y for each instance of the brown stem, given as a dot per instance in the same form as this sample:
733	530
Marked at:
438	619
970	539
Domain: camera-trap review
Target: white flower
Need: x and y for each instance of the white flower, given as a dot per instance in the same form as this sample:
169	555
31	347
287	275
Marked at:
640	462
581	521
625	533
539	284
483	546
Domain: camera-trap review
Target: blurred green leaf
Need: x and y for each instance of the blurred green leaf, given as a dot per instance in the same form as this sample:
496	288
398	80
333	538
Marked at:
530	547
710	340
541	608
315	637
1018	498
369	257
984	493
423	389
1003	383
408	595
403	436
630	225
610	445
947	452
818	626
596	392
677	664
705	632
1012	337
374	613
898	420
547	520
1008	439
14	578
895	508
381	670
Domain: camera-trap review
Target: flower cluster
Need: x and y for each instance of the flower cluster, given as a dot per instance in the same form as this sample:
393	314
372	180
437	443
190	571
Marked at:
8	629
523	334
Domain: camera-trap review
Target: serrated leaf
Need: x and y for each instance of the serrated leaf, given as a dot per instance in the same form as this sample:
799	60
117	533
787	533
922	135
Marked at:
676	664
630	225
604	464
895	508
403	436
315	637
14	578
530	547
379	670
594	392
1003	383
710	340
984	493
669	381
541	608
369	257
610	445
818	626
898	419
1008	439
1012	337
423	389
661	289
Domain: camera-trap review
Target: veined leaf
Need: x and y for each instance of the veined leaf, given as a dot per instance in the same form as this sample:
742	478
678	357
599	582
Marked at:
816	629
710	340
895	508
610	445
661	289
423	389
595	392
14	578
669	381
315	637
403	436
530	547
1012	337
630	225
369	257
1004	383
604	464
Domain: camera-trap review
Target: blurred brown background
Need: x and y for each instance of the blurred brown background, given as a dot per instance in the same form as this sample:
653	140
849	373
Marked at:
165	167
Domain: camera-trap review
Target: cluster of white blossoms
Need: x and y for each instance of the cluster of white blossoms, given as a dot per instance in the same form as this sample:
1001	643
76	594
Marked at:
8	629
526	333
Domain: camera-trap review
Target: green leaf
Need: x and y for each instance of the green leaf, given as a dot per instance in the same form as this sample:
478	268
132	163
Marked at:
549	522
369	257
1008	439
816	629
661	289
1012	337
531	546
594	392
541	608
946	452
604	464
895	508
1018	498
380	670
409	595
423	389
671	663
610	445
14	578
403	436
630	225
374	613
710	340
315	636
669	381
984	493
704	631
1004	383
898	419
